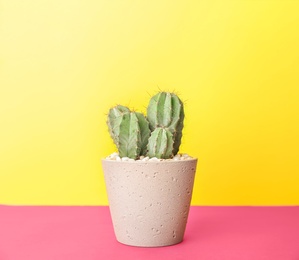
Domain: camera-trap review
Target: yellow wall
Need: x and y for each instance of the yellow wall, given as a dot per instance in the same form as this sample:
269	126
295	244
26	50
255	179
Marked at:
63	64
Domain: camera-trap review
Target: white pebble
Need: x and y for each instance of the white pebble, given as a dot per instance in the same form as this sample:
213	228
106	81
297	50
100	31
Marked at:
131	160
145	159
125	159
117	158
155	159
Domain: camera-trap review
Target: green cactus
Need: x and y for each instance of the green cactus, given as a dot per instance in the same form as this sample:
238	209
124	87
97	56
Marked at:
159	135
115	116
129	131
144	132
129	144
178	130
160	143
166	110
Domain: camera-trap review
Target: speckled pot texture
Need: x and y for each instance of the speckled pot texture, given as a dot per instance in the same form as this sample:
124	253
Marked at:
149	201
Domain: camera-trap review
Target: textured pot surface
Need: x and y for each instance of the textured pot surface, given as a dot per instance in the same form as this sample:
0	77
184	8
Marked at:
149	201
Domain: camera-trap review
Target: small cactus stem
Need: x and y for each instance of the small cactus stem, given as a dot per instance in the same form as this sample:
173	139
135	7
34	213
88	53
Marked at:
160	143
129	136
144	132
114	120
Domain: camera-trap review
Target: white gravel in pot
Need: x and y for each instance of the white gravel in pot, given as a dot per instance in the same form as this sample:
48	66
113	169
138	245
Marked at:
115	157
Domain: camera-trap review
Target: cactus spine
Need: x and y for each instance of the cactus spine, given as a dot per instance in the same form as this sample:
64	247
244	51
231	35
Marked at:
159	135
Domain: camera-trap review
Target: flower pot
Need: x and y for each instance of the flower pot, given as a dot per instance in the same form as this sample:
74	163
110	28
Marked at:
149	201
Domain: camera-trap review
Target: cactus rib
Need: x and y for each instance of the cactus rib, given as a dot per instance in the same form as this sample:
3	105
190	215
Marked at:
144	132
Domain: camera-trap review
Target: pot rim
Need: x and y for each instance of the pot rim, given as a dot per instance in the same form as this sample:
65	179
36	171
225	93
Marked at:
152	162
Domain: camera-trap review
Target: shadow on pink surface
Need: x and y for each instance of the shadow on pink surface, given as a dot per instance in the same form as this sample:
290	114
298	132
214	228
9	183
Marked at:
86	233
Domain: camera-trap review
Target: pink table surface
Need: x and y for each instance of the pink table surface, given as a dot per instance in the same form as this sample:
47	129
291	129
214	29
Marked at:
86	233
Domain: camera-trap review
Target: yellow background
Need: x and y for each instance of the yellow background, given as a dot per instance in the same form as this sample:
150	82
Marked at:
63	64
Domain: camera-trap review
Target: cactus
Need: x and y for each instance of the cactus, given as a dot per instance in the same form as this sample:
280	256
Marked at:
129	138
166	110
115	116
129	131
178	131
159	135
160	143
144	132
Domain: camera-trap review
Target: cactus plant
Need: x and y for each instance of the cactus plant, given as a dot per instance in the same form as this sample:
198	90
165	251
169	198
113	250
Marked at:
157	135
129	136
160	143
166	110
115	116
129	131
144	132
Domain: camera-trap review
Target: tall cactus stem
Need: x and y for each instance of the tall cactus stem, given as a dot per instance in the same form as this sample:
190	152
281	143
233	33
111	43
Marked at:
166	110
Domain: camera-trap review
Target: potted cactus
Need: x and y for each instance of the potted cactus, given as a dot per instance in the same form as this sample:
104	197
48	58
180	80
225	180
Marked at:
149	185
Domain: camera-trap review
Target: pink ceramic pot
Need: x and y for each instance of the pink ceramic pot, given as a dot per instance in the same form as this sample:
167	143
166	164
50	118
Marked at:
149	201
